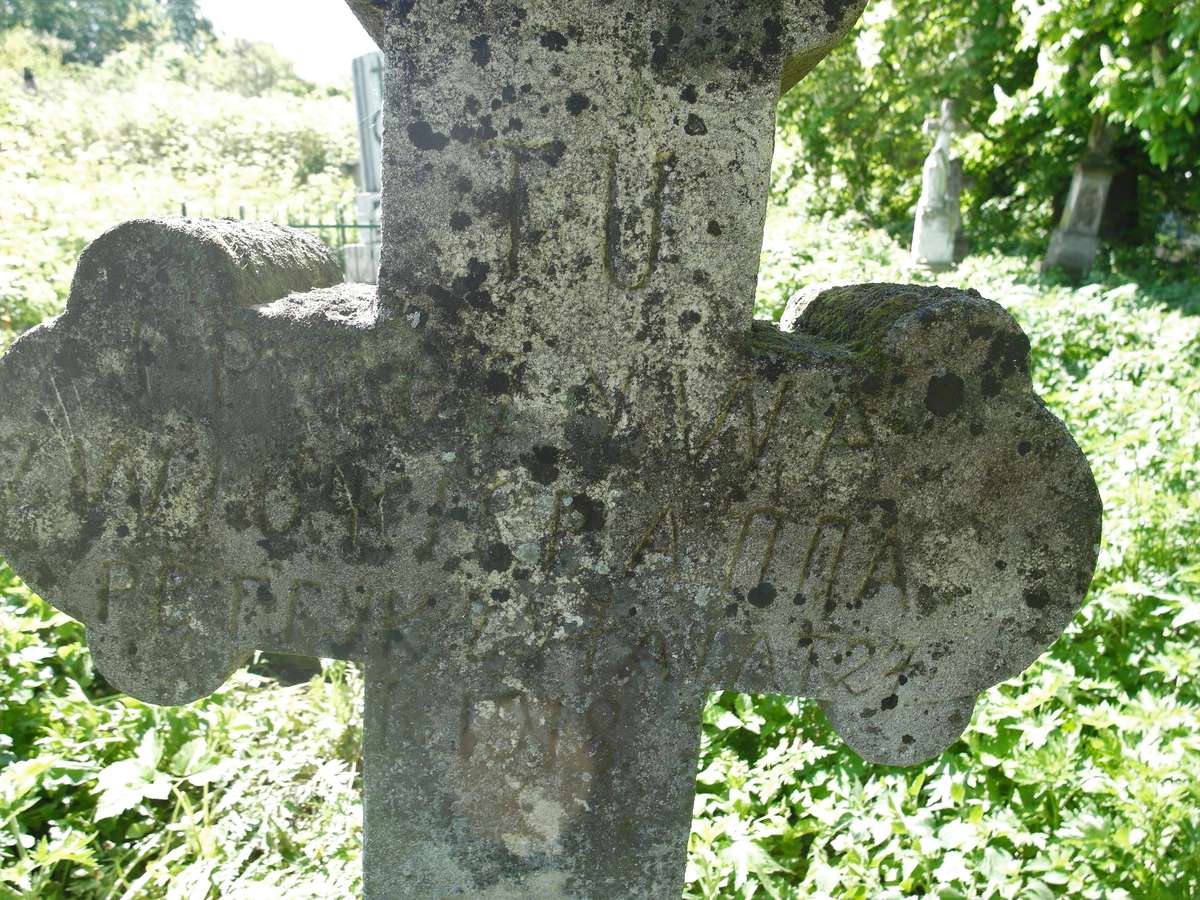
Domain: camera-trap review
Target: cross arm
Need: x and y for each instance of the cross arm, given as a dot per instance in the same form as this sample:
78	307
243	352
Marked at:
921	526
124	427
371	13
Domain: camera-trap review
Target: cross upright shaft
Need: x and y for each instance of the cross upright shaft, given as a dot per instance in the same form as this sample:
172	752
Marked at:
550	484
615	156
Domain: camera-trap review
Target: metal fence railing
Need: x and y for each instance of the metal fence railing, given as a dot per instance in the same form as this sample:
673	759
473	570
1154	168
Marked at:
337	227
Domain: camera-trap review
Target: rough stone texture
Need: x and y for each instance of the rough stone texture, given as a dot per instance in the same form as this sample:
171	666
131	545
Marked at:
550	484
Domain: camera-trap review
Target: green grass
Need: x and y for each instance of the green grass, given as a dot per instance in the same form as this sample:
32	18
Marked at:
1081	778
251	793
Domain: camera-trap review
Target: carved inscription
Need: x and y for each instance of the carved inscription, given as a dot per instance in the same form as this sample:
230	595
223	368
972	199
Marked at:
631	244
116	581
631	225
529	728
738	402
755	564
661	536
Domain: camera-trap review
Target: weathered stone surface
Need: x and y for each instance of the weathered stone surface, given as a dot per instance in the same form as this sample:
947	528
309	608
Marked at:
938	226
550	483
1076	241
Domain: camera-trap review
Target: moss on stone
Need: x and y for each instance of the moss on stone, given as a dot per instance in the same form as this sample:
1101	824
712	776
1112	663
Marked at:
858	318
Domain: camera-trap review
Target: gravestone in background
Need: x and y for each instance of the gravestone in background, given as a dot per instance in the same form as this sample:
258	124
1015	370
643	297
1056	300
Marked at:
362	257
1076	241
937	233
550	483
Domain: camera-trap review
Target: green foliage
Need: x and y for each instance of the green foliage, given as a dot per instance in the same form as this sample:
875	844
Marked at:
149	129
188	26
251	793
1029	79
92	30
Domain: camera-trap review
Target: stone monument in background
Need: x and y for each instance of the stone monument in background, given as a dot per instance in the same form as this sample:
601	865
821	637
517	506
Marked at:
362	258
1074	244
937	234
549	483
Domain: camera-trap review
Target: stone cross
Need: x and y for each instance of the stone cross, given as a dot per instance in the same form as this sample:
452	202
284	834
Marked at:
549	483
367	71
362	257
936	233
1076	241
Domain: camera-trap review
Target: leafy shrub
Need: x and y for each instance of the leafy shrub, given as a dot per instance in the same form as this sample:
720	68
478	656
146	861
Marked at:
253	792
149	129
1029	78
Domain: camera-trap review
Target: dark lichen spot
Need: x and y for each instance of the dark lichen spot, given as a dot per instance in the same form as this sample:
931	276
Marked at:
122	531
714	228
498	558
577	103
731	610
688	320
1024	447
976	332
695	126
771	45
542	463
1001	565
889	702
689	94
555	41
424	137
460	221
481	51
908	739
1036	598
497	384
501	595
944	395
465	291
591	513
836	10
762	595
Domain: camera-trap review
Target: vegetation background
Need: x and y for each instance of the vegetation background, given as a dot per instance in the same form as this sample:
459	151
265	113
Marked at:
1081	778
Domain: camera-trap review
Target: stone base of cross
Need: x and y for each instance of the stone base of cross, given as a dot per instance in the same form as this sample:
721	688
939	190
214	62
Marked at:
549	483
